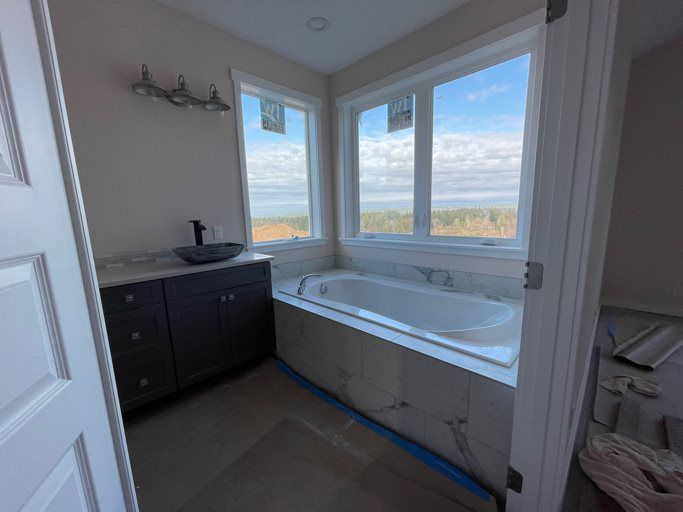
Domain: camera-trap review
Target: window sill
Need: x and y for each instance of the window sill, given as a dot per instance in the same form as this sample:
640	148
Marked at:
287	245
499	252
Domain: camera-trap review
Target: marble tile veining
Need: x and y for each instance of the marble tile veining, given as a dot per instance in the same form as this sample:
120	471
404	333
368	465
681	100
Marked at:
463	417
461	281
300	268
490	413
442	390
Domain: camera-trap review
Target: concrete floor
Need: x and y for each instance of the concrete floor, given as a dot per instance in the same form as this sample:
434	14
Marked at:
176	448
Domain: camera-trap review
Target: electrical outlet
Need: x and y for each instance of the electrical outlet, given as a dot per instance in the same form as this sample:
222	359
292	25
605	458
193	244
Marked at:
218	232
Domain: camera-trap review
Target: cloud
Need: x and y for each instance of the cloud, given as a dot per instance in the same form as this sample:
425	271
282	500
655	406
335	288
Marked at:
468	167
483	94
278	181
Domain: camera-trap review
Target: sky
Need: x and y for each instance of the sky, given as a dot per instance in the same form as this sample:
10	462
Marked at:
476	154
276	164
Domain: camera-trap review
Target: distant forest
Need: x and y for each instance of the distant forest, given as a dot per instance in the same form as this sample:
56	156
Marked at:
478	221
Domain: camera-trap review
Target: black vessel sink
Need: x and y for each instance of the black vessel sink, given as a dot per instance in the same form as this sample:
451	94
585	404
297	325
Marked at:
196	254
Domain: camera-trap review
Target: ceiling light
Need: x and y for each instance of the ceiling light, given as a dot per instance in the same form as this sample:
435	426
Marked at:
182	96
215	102
147	86
317	24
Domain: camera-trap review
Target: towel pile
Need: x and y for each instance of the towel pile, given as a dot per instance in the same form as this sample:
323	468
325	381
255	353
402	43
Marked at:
638	478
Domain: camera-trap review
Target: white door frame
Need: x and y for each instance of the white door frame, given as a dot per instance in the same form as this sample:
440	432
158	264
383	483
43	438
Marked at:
85	256
579	55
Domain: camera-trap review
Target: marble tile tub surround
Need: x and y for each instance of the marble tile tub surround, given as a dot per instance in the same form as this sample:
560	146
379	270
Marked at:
461	281
460	415
300	268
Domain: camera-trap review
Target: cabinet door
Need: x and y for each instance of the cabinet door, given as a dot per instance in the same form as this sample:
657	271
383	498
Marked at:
251	321
199	336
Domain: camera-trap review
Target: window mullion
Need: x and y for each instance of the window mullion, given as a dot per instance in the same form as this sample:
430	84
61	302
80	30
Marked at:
313	175
423	149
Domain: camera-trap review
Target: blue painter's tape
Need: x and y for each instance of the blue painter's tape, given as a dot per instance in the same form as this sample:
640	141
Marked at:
433	461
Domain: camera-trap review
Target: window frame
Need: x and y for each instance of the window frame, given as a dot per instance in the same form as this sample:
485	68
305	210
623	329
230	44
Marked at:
311	106
421	80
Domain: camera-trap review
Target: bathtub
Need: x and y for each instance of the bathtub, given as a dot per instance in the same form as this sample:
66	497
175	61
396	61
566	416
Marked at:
484	327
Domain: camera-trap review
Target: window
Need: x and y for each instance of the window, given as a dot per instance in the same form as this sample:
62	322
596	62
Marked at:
455	169
279	158
385	172
477	135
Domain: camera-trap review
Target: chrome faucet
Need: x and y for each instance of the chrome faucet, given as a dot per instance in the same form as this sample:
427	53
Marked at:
302	284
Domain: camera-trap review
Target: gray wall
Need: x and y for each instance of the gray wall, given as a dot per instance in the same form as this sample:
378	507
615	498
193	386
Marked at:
644	264
147	167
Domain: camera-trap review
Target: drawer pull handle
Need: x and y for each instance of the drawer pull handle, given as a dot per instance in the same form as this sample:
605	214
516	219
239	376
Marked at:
129	298
135	335
143	382
231	297
223	298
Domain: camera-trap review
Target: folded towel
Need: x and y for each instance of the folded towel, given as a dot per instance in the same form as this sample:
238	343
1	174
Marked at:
638	478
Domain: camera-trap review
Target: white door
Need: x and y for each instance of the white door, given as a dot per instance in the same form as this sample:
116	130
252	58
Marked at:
56	445
570	188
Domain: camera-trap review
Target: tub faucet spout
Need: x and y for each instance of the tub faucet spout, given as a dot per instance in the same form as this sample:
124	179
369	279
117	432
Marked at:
302	284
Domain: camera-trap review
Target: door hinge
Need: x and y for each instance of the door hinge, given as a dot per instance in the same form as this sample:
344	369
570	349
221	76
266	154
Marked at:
555	9
533	275
514	480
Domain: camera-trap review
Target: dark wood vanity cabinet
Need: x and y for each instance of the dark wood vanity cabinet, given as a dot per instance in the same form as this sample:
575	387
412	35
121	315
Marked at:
200	325
250	335
139	342
214	331
201	336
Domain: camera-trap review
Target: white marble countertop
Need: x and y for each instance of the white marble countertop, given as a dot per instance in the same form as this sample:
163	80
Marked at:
115	275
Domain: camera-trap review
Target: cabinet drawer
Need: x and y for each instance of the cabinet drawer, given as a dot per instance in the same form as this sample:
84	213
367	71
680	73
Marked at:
144	379
204	282
131	296
138	330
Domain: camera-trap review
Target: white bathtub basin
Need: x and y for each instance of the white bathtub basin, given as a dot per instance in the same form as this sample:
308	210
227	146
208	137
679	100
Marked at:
470	323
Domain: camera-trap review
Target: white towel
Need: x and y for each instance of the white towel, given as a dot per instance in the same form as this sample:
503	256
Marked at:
638	478
618	384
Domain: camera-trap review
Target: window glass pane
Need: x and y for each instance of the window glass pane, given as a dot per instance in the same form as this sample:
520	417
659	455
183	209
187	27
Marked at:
277	171
478	129
385	167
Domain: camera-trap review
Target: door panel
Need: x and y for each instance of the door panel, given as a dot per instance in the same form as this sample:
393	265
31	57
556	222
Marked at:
63	489
200	337
251	321
33	361
56	444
